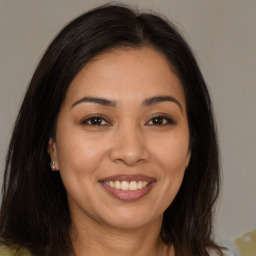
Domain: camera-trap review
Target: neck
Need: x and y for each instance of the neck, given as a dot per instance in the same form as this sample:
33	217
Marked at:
96	239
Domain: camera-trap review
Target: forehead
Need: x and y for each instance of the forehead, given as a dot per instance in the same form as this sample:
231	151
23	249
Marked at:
127	74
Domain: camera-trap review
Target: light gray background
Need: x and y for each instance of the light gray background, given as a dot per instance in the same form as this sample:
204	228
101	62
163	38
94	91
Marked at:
222	34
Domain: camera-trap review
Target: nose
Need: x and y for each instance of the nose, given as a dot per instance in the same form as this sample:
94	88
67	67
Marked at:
129	147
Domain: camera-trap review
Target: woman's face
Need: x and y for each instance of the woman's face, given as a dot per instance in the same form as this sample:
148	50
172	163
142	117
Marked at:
122	139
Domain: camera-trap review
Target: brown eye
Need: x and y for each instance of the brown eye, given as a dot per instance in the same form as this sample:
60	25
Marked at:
160	120
95	121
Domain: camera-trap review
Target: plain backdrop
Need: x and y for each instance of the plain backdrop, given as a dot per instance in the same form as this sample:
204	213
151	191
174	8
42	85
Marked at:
222	34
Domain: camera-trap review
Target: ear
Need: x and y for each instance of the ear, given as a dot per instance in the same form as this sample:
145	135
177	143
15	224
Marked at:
52	151
188	157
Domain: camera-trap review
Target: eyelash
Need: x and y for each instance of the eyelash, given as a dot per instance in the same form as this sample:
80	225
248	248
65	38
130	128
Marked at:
87	120
167	121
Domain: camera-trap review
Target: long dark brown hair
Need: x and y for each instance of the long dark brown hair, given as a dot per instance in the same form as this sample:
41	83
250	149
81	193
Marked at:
34	212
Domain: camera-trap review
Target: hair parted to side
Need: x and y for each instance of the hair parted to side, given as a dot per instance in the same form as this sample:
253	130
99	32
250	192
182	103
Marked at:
34	212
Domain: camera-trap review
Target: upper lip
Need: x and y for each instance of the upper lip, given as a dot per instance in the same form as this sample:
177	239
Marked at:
128	177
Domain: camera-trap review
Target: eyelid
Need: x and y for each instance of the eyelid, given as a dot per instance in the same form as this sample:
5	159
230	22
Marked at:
85	120
169	119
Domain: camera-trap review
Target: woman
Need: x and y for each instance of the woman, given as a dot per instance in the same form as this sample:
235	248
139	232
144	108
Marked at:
114	149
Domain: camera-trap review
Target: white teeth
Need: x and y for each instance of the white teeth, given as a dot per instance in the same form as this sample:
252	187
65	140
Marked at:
133	185
140	185
117	185
144	183
126	185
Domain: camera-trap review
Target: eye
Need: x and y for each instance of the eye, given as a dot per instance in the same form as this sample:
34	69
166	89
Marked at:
160	120
95	121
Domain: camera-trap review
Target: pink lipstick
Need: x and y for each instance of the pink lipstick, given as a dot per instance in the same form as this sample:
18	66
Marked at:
128	187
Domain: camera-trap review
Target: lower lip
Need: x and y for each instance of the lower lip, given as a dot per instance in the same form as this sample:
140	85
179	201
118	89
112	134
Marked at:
128	195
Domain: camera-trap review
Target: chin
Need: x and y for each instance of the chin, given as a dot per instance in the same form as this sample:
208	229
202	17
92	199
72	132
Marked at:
132	218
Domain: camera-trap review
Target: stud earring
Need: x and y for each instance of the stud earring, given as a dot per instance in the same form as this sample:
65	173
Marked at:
52	165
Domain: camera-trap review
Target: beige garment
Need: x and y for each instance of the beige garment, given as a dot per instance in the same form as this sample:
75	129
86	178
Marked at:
246	244
9	251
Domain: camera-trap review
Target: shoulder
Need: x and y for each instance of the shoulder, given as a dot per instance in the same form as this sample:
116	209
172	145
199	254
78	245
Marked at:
9	251
246	243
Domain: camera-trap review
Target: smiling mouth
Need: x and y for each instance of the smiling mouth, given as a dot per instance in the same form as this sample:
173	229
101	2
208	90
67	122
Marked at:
128	187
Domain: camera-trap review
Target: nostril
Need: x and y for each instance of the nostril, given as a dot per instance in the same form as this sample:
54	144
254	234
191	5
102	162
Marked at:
128	146
129	157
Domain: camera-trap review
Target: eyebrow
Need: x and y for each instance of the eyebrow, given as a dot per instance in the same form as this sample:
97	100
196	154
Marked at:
110	103
101	101
159	99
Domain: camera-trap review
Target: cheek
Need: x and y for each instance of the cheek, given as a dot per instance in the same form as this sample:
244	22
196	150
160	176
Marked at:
174	165
172	158
78	155
78	166
172	153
